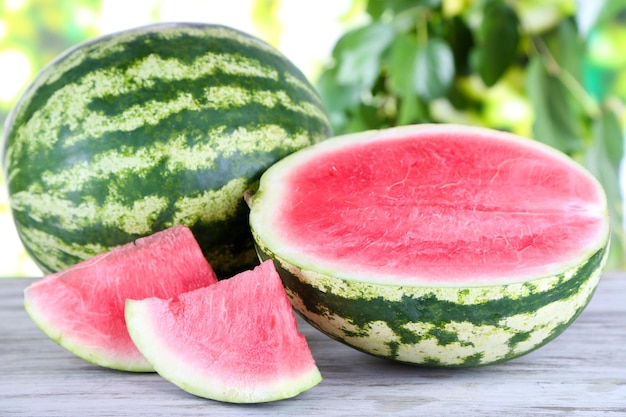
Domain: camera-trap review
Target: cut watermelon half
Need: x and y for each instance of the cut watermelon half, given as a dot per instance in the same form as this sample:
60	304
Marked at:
442	245
235	341
82	307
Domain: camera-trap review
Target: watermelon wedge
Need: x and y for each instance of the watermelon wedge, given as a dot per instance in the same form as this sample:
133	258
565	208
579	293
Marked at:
82	308
235	341
434	244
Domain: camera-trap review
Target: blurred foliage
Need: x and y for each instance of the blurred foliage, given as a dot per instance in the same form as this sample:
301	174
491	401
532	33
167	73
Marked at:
42	29
264	14
32	33
553	71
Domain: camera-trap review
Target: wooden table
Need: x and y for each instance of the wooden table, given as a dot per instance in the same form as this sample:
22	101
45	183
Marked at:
581	373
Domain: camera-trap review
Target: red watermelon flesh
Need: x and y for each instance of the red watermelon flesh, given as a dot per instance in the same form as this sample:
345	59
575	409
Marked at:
82	307
444	205
235	341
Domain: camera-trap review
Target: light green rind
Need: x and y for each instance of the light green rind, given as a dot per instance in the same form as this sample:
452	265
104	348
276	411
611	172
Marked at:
91	354
173	367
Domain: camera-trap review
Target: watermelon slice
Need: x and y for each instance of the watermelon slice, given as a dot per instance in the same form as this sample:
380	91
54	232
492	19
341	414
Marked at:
235	341
82	307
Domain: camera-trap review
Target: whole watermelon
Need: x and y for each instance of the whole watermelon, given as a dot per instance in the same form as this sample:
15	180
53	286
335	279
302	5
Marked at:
137	131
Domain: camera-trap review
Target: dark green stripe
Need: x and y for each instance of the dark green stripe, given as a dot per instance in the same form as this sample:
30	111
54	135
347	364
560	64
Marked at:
158	179
196	123
184	48
429	309
233	241
165	90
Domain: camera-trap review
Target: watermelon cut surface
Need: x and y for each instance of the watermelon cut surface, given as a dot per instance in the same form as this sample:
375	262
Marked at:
82	307
440	206
235	341
434	244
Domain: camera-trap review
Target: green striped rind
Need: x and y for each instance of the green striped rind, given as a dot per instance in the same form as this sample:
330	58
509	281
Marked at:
137	131
441	326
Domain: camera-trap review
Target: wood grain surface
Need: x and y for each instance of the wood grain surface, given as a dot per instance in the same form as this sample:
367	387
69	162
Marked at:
581	373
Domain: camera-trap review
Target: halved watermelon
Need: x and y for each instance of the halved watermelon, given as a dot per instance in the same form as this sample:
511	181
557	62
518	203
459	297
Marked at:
235	341
434	244
82	307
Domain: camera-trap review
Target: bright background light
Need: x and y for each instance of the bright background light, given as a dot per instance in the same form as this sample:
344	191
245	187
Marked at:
17	71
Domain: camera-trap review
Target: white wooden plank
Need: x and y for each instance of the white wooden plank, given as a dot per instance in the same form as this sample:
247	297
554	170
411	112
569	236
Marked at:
581	373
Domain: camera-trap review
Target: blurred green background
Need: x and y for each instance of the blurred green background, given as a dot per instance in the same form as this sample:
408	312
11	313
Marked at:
551	70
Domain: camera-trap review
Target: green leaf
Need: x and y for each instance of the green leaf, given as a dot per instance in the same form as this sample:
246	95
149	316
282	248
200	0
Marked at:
461	40
337	98
608	133
557	117
567	48
364	117
402	65
410	110
461	100
603	159
358	54
426	70
499	39
376	8
434	69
